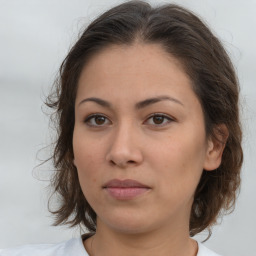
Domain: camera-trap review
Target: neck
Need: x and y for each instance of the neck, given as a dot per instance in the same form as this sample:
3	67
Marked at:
161	242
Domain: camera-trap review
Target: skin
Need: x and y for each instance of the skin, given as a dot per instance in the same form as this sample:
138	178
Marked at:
167	155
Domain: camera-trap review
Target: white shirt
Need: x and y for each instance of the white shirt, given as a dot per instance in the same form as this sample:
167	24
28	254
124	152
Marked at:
69	248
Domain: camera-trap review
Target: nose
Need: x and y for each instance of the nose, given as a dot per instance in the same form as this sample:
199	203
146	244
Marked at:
124	150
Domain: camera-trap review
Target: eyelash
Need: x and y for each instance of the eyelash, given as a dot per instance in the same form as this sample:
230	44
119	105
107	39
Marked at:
89	118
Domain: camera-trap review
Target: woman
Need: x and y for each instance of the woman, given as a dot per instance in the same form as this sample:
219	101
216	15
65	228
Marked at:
149	141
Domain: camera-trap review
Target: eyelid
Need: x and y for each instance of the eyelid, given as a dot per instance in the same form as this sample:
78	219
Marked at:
169	118
165	116
91	116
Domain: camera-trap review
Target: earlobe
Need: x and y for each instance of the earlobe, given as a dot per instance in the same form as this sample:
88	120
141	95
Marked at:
216	146
74	162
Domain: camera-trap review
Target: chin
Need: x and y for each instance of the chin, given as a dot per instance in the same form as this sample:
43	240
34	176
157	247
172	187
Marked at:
128	224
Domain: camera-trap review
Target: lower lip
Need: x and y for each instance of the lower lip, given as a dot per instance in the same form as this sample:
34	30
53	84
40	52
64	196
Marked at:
126	193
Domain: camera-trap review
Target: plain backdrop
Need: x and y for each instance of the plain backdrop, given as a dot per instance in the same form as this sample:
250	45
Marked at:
35	36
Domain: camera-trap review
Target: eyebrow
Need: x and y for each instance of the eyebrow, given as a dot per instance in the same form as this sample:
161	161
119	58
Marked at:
138	105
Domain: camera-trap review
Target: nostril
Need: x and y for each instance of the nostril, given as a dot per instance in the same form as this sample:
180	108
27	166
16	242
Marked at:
112	162
122	163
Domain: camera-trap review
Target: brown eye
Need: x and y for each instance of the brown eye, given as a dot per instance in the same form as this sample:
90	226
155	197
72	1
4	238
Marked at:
160	120
96	120
99	120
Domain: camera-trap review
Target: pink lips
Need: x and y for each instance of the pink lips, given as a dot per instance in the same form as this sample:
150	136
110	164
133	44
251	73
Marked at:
125	189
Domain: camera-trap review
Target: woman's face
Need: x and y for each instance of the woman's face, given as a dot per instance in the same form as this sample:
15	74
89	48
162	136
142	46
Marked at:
137	118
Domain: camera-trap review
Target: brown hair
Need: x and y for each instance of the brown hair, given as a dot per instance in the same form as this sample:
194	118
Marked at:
184	36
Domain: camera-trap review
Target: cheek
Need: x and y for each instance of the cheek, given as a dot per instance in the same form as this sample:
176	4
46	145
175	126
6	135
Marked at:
88	159
179	161
88	163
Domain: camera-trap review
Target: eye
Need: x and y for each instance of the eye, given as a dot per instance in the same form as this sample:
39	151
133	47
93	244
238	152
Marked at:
96	120
160	119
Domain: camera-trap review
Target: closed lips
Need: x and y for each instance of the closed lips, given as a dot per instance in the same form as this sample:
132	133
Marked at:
128	183
123	190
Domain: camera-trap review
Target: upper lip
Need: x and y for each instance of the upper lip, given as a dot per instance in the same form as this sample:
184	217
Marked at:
127	183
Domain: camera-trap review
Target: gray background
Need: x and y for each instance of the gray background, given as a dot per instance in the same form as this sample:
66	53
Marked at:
34	38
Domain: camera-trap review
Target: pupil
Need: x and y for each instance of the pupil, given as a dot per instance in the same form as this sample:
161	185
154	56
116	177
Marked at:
100	120
158	119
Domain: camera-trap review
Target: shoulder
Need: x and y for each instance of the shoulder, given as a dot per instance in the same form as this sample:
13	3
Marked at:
71	247
204	251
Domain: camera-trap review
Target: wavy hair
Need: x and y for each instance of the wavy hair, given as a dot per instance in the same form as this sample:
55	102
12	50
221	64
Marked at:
183	35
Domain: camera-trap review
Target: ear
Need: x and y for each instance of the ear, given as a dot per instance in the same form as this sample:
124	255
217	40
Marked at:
74	162
215	147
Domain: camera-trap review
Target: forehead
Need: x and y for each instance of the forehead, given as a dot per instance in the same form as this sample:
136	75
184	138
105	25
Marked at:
123	58
136	71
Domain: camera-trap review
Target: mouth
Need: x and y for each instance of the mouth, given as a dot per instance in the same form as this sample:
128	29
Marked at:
125	189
